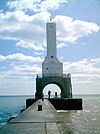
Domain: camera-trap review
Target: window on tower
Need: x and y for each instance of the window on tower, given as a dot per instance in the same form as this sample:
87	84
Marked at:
51	56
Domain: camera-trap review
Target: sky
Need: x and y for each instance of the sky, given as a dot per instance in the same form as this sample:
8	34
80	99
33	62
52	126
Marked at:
23	43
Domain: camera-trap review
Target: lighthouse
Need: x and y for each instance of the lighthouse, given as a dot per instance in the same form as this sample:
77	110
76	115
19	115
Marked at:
51	65
52	68
52	73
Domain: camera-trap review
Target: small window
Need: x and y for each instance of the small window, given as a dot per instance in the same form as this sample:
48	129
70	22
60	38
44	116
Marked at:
51	56
46	68
50	26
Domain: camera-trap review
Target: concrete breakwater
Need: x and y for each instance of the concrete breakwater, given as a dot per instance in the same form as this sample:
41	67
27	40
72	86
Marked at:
36	120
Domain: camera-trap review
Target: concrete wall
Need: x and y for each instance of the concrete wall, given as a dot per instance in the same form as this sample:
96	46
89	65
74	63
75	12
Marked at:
61	104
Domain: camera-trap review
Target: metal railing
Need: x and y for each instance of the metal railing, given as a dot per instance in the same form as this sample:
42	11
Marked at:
64	75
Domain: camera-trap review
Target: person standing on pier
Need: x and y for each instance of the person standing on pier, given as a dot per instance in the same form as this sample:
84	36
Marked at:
49	92
55	94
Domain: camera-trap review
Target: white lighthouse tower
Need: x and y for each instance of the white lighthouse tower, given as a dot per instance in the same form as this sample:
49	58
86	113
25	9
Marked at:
51	65
52	68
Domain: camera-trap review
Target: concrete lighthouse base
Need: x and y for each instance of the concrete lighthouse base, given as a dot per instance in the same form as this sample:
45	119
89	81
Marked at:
61	104
65	102
64	83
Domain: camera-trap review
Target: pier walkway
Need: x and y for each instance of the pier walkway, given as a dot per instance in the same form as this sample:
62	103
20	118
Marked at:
32	121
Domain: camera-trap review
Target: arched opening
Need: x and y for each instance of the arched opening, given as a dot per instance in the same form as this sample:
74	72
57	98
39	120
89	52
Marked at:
53	88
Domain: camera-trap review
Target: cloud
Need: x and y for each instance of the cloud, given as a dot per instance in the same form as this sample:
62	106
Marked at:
23	76
27	69
19	57
52	4
29	31
84	71
38	53
22	71
61	58
26	44
96	61
18	79
83	66
36	5
61	45
70	30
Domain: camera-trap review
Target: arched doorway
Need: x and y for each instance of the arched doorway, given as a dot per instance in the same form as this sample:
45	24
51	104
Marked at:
53	88
64	83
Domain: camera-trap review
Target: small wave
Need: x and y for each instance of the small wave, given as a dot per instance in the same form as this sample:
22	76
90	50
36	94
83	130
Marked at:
60	111
63	111
79	112
87	111
15	115
94	119
2	124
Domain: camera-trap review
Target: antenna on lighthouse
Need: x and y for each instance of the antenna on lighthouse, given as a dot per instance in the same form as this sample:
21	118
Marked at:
50	19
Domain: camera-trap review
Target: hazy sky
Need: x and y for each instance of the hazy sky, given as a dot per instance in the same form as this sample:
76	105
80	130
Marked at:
23	43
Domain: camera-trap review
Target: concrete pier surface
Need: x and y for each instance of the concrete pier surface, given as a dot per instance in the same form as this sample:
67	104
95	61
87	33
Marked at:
33	121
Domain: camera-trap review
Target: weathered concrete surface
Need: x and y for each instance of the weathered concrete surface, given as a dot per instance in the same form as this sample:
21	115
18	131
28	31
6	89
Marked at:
32	121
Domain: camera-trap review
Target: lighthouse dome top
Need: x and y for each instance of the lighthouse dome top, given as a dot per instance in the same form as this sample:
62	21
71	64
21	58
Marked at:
51	20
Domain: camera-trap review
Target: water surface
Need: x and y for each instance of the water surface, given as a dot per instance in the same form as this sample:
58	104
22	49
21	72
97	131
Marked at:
86	121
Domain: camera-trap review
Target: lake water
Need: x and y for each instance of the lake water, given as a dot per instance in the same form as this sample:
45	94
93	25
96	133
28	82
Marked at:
86	121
